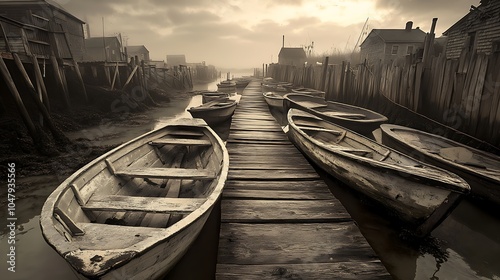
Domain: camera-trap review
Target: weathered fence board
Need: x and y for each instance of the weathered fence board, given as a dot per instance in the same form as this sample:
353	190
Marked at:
463	93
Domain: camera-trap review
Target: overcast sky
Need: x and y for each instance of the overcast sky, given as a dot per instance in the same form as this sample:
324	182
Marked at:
247	33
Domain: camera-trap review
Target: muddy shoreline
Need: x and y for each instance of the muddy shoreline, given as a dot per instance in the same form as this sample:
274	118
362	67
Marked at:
88	132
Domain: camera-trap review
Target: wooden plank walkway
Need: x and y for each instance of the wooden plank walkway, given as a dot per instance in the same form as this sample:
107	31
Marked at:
278	218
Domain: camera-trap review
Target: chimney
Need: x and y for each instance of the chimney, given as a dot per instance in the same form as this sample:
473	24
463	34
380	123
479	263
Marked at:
283	44
409	26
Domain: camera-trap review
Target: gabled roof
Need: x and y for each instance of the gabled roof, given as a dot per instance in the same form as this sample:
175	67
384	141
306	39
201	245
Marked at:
293	53
398	35
97	42
51	3
466	17
136	49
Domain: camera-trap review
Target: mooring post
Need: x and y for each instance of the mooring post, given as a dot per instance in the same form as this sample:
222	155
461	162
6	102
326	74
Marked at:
323	74
19	102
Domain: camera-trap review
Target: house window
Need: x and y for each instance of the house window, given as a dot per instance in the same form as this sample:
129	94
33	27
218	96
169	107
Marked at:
409	50
394	49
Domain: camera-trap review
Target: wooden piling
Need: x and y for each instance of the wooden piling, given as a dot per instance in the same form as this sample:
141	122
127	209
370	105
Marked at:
114	77
19	102
80	80
59	81
323	75
41	107
40	82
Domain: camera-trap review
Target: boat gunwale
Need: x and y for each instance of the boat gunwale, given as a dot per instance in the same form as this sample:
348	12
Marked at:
379	117
460	186
388	130
64	248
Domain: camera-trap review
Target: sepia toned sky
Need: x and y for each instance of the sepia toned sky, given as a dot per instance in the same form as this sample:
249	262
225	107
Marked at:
248	33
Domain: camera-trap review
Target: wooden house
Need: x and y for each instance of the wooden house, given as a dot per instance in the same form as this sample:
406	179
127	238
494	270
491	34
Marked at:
478	31
292	56
40	28
176	60
103	49
141	52
388	45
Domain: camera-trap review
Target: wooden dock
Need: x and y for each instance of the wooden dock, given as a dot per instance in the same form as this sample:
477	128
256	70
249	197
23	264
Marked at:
278	217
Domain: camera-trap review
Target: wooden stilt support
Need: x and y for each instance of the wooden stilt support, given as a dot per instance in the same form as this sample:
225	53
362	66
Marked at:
41	83
115	76
80	80
37	100
19	102
58	76
130	77
107	73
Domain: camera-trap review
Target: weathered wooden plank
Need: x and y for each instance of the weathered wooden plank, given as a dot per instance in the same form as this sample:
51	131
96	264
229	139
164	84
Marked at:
278	174
290	211
142	203
352	269
265	166
292	243
275	194
311	186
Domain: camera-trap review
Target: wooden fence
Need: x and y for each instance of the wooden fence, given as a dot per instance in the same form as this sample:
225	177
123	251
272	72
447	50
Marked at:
463	94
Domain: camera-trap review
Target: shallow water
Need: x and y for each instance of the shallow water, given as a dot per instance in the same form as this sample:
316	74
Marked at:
465	246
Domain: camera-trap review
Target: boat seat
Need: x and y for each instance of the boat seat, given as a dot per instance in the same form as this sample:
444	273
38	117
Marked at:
180	141
167	173
144	204
188	133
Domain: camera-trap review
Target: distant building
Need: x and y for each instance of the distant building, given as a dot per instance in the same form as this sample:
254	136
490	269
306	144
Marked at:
141	52
158	64
103	49
53	29
292	56
387	45
478	31
176	60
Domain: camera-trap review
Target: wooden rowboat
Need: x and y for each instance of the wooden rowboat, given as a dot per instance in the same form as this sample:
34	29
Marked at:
309	91
480	169
214	112
133	212
226	86
208	96
355	118
274	100
418	194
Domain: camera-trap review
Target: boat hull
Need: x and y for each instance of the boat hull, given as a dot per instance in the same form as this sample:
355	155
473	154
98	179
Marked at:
214	115
274	100
483	187
133	212
363	126
418	204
